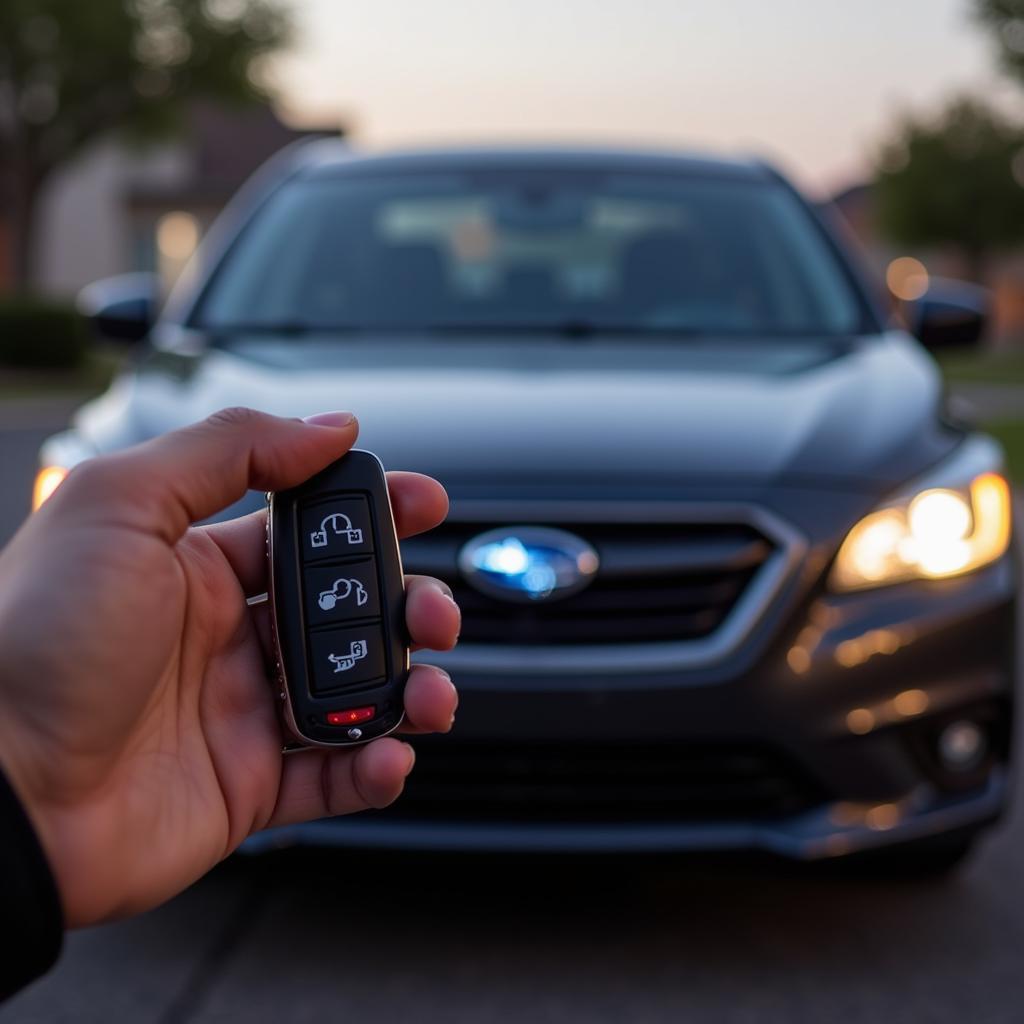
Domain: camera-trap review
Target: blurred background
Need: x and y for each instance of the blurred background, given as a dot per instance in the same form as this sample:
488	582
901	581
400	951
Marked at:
127	125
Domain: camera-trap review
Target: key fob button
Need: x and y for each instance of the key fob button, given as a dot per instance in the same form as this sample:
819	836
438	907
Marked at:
335	529
345	658
342	592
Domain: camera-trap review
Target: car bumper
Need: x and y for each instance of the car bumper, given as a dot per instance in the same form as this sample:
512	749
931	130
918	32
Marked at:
847	694
832	830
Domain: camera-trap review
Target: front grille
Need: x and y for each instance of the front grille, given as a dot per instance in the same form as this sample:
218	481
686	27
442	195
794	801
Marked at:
573	782
656	582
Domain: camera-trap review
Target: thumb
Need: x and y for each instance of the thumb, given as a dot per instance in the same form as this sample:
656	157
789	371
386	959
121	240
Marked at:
165	485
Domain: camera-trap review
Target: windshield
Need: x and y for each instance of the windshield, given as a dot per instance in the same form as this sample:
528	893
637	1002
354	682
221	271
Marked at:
534	252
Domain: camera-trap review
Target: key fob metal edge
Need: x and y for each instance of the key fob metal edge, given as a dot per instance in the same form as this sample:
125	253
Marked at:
304	712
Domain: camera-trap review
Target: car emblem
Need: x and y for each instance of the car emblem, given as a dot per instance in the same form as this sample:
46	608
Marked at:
528	563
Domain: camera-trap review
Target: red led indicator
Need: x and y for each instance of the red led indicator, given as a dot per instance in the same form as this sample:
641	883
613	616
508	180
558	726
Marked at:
351	716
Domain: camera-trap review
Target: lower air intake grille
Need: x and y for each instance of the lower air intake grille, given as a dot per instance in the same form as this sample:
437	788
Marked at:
564	782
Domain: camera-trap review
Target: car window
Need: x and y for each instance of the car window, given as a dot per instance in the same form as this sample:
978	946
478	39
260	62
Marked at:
533	252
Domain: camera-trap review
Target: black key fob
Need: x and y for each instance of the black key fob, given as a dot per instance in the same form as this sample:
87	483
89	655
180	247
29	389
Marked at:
338	604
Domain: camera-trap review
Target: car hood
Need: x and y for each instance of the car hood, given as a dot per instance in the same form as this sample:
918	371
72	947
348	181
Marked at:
496	414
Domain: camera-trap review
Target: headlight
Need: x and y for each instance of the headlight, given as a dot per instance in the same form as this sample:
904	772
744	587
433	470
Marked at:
929	533
47	481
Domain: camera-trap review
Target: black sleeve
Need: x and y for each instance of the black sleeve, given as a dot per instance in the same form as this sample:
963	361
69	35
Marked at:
31	921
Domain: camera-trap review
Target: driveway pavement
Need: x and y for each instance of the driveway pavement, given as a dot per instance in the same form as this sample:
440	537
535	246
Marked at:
24	424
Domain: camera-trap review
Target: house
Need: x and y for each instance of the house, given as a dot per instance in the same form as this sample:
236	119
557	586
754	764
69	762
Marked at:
121	208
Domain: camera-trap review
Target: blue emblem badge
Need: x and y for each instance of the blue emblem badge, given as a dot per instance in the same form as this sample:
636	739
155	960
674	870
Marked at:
528	563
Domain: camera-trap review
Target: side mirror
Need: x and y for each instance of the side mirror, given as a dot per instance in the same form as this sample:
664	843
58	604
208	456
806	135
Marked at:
949	314
121	308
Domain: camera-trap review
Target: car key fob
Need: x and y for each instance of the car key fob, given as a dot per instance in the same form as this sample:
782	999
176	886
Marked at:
337	594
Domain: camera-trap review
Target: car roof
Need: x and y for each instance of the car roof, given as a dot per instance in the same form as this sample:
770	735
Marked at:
329	158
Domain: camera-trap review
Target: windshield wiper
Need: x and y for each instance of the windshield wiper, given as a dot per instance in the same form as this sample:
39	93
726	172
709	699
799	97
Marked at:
570	328
290	327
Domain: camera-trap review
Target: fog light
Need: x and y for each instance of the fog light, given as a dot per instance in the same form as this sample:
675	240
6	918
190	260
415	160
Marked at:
962	745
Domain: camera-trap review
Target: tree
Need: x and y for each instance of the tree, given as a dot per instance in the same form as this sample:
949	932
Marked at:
955	180
1005	21
74	70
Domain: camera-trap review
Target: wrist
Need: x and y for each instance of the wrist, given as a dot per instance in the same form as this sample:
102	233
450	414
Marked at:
30	903
16	776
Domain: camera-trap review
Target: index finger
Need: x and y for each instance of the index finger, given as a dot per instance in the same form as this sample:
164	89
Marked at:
163	486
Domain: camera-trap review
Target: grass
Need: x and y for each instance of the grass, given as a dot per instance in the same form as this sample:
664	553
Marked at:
992	369
969	366
91	378
1010	434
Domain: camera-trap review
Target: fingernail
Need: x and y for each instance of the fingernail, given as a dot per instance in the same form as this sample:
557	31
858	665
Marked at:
454	699
330	419
445	589
455	692
412	758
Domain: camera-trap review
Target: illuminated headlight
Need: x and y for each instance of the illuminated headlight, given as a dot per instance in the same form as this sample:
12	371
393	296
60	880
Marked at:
931	532
48	479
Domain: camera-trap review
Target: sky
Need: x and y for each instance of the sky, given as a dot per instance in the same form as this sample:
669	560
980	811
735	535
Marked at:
810	84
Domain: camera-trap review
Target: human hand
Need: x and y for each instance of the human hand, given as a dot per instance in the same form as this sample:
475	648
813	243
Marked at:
137	718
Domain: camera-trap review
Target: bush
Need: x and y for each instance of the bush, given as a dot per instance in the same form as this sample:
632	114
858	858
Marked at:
41	334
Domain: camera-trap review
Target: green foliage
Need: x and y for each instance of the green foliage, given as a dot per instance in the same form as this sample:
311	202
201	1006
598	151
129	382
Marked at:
1005	21
72	70
41	334
954	180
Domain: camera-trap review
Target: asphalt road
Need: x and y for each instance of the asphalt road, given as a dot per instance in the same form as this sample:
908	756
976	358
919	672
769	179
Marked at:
337	937
24	424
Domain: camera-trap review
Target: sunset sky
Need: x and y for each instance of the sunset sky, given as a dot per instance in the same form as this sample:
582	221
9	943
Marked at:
809	83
